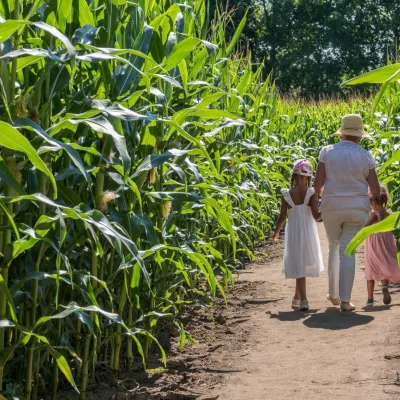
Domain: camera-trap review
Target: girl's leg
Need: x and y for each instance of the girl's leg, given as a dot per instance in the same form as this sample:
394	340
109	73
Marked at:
387	299
297	292
370	288
301	286
296	298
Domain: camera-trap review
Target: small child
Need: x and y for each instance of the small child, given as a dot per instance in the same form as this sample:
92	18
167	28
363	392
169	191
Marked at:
380	252
302	255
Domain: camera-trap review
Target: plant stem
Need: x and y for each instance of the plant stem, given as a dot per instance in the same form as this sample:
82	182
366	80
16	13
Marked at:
15	60
129	342
118	341
54	384
99	189
36	378
85	366
33	342
78	345
11	164
3	315
148	340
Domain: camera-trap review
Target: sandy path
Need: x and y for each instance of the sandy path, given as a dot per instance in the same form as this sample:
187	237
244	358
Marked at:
316	355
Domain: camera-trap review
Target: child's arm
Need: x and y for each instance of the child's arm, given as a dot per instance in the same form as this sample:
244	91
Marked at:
281	220
371	219
314	207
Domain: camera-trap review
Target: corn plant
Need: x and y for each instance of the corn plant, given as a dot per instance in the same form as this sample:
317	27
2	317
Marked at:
141	161
129	181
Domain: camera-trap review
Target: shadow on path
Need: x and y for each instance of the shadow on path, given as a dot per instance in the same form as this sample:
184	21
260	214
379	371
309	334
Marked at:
294	315
333	319
376	308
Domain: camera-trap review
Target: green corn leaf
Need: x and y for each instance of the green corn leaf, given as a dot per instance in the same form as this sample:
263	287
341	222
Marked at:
4	289
63	13
380	94
9	179
56	33
244	82
184	74
63	365
36	53
7	352
10	218
236	35
36	4
128	75
102	125
395	158
28	124
155	160
9	27
387	225
146	222
14	140
180	52
379	75
39	276
176	196
85	15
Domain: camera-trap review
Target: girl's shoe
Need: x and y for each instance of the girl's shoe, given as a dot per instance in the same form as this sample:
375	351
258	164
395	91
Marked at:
334	300
387	298
295	303
304	305
347	306
370	302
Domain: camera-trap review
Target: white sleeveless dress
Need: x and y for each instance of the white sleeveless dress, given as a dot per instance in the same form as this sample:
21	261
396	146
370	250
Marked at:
302	256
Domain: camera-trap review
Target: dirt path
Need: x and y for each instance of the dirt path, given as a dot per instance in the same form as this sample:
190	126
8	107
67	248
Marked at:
320	354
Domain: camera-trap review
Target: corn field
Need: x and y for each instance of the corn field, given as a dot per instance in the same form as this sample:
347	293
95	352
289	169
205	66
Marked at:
141	159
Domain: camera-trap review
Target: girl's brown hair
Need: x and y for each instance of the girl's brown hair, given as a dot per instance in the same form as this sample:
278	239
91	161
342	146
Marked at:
383	196
293	177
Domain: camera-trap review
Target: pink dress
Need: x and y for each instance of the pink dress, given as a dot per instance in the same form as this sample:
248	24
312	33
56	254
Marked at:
381	256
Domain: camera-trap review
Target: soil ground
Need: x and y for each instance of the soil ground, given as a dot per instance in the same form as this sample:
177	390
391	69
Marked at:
321	354
258	348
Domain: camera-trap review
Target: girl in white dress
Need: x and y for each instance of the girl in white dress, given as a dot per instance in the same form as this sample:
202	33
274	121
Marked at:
302	256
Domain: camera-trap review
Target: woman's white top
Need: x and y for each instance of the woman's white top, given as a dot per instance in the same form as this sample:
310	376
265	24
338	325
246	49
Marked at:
347	167
302	255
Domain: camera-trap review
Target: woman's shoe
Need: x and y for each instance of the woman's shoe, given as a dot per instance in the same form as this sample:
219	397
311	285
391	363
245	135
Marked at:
304	305
387	298
370	302
334	300
295	303
347	306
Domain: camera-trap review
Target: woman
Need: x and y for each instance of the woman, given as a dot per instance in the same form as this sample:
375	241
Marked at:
344	174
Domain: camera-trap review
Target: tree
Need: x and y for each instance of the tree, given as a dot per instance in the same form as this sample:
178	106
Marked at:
311	46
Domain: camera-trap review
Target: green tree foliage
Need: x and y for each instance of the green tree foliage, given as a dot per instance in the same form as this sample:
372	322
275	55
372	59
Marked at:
313	45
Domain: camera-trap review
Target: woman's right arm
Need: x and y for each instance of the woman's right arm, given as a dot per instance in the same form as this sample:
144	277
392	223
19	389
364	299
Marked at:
373	184
320	177
281	221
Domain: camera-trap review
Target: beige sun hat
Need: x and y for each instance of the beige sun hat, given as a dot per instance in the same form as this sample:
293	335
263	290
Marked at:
352	125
